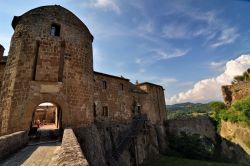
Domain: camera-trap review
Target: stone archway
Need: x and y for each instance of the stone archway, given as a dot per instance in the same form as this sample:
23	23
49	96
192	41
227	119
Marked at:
46	116
28	111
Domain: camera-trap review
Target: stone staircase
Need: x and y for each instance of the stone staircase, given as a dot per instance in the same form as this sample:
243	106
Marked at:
137	125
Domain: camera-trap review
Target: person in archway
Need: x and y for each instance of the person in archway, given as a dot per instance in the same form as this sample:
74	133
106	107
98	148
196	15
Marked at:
38	123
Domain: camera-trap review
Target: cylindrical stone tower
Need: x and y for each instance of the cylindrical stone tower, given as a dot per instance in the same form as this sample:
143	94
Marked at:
50	60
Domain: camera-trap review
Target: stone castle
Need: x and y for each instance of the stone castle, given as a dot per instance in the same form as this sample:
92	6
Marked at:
51	60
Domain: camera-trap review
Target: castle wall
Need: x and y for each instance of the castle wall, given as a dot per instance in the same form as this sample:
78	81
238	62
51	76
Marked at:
232	93
50	60
121	97
42	67
116	97
154	103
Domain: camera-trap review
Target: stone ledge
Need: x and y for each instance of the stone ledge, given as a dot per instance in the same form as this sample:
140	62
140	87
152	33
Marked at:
12	142
70	153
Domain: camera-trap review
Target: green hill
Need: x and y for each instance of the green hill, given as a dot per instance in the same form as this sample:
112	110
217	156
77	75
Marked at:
186	109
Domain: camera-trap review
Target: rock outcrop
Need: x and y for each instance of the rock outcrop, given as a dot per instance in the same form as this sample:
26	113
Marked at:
102	137
238	135
193	125
229	145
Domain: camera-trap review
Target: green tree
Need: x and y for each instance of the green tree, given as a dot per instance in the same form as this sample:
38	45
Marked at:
216	106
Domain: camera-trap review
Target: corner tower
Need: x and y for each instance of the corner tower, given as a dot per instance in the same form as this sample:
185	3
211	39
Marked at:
50	60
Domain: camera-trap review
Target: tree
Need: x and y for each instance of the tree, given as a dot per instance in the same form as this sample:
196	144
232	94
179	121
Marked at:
216	106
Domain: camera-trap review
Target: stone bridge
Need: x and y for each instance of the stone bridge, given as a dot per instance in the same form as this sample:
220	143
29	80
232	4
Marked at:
16	150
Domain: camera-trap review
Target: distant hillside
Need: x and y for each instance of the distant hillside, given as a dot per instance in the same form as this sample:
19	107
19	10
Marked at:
186	109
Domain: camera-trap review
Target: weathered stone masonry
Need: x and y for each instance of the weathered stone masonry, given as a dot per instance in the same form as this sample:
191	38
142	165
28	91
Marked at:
50	60
232	93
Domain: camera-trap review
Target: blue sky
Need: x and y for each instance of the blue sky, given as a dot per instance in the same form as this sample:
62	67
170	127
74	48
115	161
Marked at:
173	43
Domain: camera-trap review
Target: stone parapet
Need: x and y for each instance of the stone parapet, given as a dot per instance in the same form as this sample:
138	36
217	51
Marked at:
12	142
70	153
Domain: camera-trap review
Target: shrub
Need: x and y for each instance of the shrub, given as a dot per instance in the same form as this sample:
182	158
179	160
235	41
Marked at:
238	112
192	146
216	105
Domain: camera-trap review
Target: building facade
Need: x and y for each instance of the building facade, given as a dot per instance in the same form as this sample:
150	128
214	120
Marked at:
51	60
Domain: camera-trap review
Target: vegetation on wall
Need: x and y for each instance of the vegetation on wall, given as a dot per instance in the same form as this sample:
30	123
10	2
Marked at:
239	112
241	78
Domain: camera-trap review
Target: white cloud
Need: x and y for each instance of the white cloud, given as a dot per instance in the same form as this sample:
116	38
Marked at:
215	30
171	54
219	66
227	36
210	89
110	5
154	55
5	41
166	81
176	31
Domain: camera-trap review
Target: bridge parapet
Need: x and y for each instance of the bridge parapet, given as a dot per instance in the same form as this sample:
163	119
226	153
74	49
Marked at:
11	143
70	153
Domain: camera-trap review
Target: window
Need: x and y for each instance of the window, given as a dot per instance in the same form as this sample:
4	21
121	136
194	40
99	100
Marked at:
105	111
94	107
104	84
55	30
122	87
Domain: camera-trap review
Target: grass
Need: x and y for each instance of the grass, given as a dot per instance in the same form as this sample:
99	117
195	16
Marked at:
175	161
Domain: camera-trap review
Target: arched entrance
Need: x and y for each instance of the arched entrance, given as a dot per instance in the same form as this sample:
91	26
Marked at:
46	121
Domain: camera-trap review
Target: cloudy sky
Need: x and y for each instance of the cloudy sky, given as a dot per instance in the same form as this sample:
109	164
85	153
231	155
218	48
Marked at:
191	47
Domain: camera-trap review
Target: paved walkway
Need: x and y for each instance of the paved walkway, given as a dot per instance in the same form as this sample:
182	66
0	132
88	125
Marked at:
37	155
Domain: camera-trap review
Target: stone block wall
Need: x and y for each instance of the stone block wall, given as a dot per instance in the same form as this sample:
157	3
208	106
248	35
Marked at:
12	142
232	93
154	102
121	97
192	125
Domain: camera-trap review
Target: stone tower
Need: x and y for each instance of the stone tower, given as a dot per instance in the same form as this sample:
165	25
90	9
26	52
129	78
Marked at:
50	60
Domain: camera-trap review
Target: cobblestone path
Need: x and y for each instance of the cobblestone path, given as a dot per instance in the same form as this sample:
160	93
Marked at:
35	155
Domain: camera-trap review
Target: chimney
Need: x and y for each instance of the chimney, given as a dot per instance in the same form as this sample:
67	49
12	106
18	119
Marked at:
1	52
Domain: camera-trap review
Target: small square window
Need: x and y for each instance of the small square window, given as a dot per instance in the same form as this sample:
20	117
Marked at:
55	30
